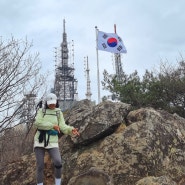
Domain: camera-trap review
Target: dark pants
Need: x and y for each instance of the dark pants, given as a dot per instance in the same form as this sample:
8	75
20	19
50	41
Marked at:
56	158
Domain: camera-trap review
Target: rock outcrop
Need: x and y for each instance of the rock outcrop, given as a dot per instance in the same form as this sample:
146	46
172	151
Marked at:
117	146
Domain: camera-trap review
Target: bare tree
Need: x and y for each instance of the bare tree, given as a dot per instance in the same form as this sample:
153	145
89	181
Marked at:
19	74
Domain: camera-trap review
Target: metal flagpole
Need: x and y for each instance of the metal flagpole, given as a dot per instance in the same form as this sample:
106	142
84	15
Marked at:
98	75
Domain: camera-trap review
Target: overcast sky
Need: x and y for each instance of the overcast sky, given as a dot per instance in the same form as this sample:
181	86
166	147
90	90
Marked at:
152	30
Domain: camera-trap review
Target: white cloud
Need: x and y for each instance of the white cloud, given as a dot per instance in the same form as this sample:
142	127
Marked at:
151	30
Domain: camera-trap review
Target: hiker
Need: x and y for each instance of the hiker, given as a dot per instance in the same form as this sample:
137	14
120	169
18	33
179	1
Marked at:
49	122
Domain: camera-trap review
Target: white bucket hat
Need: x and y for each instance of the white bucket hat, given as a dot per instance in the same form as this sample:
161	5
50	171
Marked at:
51	99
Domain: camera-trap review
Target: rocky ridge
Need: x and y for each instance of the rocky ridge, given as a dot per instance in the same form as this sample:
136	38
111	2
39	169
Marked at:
117	146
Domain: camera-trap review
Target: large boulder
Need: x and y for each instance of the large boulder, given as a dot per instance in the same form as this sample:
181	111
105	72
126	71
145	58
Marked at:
151	145
117	146
96	122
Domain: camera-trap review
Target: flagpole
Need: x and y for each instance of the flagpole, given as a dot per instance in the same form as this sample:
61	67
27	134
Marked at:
98	75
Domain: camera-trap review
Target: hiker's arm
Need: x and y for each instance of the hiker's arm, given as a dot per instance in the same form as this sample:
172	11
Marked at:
66	129
41	123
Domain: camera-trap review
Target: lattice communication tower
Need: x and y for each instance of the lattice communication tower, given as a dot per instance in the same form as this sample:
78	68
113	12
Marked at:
65	86
28	109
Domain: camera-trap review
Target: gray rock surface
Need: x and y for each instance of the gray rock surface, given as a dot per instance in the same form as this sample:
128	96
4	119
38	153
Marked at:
117	146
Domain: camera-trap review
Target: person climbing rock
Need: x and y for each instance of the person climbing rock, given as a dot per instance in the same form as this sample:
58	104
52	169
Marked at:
50	123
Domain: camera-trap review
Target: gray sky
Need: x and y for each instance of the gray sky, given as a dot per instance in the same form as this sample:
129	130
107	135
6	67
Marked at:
151	30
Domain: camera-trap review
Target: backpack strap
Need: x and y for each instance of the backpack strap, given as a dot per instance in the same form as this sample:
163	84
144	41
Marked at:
58	115
43	112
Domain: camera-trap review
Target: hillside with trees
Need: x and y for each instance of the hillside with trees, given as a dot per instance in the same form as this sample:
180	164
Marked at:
162	88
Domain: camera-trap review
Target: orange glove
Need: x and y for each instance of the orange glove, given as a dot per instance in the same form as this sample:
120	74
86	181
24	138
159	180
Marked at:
56	127
75	132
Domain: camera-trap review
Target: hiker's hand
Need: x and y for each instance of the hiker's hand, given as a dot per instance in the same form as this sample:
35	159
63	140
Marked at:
56	127
75	132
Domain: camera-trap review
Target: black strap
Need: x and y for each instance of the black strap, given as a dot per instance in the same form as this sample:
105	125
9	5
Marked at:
46	144
42	137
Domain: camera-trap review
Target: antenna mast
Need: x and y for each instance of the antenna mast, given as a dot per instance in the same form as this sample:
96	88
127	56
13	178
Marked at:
118	65
88	93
